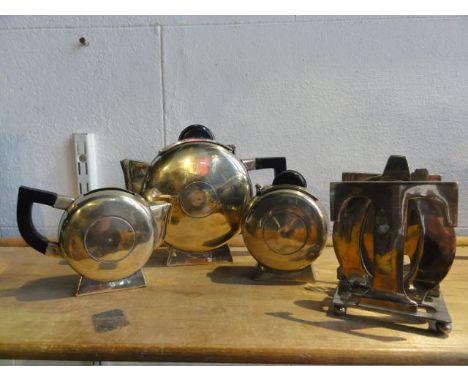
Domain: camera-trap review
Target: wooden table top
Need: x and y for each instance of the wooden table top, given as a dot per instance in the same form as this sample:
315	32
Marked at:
211	313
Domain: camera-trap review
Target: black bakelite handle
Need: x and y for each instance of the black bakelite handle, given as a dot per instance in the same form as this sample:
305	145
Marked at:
26	198
278	164
196	131
290	177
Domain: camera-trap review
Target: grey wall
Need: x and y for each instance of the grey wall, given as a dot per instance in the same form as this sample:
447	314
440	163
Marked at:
332	94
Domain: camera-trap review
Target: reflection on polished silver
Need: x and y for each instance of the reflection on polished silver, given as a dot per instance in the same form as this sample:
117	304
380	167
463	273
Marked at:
87	286
213	189
63	202
134	174
249	164
198	199
292	232
108	235
105	235
53	250
285	230
103	239
210	188
394	239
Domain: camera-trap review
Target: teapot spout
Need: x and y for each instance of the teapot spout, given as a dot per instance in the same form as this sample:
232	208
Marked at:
134	174
161	212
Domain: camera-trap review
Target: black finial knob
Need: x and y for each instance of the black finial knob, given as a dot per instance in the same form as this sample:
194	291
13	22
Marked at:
397	168
196	131
290	177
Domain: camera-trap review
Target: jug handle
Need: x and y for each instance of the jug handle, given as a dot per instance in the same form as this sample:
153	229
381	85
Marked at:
278	164
26	198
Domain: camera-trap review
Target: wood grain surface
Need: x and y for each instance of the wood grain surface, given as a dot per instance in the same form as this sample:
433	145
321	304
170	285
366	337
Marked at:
211	313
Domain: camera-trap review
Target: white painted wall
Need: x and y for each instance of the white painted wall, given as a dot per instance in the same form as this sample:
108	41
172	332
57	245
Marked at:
331	94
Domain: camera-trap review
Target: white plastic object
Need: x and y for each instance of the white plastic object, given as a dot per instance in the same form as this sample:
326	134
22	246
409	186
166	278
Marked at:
85	162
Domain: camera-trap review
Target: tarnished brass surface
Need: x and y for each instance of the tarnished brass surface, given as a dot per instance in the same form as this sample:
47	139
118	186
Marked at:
134	174
393	236
285	228
110	234
211	189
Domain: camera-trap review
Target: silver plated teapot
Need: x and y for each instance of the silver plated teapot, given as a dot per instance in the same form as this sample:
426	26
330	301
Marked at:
211	189
106	235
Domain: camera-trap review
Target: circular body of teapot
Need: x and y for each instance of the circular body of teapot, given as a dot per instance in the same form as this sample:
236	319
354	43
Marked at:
107	234
285	228
211	187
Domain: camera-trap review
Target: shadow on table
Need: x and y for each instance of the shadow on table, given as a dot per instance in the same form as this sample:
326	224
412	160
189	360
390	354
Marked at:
50	288
158	258
461	257
243	275
356	324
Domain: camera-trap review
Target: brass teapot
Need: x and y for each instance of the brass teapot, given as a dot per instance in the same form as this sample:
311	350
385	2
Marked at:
285	229
106	235
211	188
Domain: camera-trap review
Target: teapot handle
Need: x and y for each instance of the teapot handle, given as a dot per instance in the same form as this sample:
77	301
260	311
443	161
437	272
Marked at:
26	198
278	164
